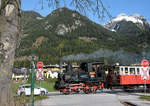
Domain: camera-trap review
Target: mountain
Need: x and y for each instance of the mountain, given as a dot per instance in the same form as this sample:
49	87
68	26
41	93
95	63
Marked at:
132	24
63	32
30	18
66	35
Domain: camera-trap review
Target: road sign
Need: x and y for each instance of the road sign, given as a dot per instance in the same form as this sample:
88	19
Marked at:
40	65
145	63
39	74
145	73
145	69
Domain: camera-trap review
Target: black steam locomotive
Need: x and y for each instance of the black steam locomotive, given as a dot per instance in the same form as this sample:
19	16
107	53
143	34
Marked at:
88	78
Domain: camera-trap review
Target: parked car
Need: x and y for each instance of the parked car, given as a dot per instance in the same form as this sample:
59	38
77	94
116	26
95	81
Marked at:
26	90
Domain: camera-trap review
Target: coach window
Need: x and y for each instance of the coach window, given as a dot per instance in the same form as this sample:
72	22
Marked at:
126	70
138	71
132	71
121	71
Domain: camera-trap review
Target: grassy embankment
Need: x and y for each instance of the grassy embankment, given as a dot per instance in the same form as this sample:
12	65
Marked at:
145	98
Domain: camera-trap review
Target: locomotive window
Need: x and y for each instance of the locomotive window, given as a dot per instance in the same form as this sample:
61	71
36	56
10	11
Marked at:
138	71
126	70
132	71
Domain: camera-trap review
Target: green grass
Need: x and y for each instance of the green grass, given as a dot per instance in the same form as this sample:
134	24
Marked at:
15	86
21	100
145	98
45	84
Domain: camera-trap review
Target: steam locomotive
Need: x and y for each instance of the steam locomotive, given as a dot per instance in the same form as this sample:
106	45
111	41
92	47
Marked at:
89	77
94	76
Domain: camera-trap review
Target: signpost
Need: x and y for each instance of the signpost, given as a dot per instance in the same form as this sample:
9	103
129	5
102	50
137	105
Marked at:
32	81
39	73
145	72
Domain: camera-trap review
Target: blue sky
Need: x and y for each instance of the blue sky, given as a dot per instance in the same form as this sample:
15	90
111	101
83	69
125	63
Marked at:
115	7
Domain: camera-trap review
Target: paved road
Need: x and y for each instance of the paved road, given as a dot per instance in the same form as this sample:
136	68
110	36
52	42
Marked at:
105	98
98	99
133	98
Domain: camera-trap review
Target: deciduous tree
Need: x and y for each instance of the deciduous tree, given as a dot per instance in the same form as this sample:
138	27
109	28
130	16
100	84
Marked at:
9	33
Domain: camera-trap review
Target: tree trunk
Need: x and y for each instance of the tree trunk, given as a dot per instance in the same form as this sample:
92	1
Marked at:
9	34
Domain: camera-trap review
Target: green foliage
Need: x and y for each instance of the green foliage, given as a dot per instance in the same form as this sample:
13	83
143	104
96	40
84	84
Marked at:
22	63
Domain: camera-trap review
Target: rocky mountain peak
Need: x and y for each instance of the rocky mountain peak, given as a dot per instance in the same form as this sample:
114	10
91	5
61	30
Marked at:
122	20
136	18
66	21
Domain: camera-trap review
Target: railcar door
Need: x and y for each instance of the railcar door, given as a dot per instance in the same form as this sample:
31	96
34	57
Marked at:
138	76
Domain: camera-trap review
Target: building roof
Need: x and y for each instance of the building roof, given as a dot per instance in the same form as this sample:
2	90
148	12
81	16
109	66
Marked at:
20	71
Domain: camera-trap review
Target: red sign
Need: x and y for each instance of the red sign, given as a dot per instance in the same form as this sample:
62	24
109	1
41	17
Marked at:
40	65
145	63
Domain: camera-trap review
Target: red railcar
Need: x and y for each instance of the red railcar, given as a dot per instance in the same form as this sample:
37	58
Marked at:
131	75
126	76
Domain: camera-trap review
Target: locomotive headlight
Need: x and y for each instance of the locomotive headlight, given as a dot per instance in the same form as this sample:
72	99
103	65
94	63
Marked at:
117	64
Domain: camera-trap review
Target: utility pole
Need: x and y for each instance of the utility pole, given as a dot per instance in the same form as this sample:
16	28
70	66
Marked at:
32	81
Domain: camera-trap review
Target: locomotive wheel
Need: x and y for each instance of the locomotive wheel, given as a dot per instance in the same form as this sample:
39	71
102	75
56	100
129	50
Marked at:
94	91
66	93
87	91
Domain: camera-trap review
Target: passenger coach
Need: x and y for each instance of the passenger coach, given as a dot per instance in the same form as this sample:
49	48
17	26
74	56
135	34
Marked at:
126	76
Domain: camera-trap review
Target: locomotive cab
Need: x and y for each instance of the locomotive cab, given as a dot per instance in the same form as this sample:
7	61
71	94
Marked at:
95	70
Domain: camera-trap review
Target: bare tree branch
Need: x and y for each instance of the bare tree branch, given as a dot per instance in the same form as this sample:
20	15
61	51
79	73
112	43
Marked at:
95	6
52	3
